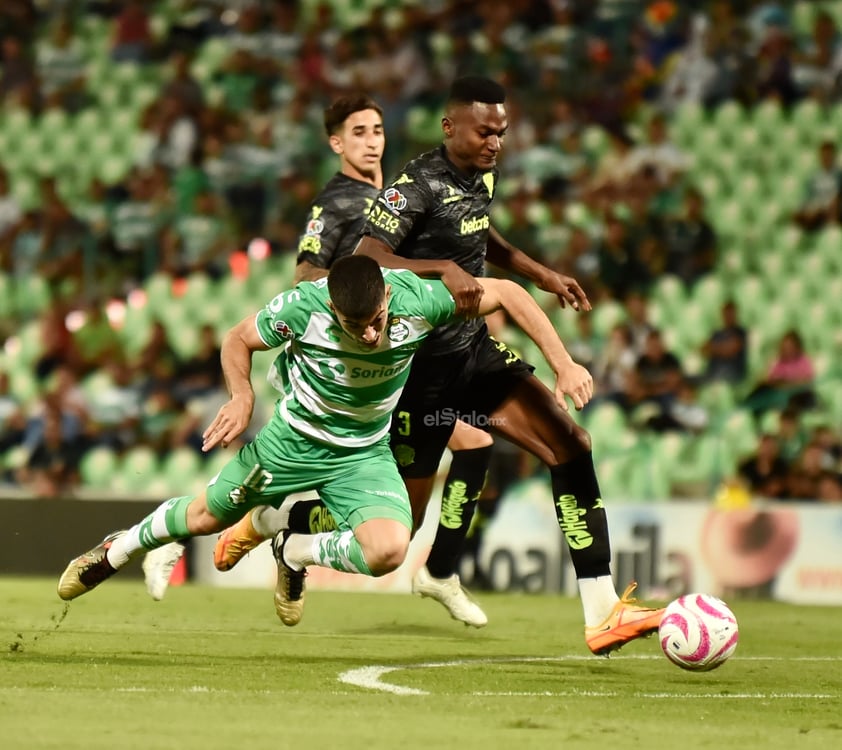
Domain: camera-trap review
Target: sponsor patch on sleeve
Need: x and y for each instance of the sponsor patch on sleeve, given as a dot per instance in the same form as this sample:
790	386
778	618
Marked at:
283	329
310	244
383	219
394	200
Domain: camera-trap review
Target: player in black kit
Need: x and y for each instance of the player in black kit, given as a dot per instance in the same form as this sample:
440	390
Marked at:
434	220
354	126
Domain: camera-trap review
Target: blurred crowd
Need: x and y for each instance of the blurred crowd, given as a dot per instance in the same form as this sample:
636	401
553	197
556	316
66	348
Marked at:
228	151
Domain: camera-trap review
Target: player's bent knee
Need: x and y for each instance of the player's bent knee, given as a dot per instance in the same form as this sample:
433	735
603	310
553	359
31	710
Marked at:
384	543
573	442
385	558
583	439
200	520
465	437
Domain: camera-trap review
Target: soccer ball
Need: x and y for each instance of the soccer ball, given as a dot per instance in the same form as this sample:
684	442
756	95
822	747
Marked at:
698	632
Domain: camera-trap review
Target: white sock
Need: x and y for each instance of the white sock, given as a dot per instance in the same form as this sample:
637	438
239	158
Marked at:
268	521
598	598
298	550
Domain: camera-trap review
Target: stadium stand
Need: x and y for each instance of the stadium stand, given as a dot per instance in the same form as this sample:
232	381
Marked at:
127	151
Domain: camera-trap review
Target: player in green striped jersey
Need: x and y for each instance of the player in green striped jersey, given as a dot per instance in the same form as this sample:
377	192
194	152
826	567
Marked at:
349	344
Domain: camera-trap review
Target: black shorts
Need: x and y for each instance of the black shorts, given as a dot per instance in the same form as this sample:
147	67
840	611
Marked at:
468	384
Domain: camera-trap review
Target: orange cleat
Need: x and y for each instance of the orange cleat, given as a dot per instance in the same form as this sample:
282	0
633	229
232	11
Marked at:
234	542
626	622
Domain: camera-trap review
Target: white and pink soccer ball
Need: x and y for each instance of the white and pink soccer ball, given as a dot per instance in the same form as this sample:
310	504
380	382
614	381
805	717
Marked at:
698	632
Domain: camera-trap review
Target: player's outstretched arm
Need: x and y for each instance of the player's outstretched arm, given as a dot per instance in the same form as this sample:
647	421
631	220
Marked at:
231	420
462	286
572	379
505	255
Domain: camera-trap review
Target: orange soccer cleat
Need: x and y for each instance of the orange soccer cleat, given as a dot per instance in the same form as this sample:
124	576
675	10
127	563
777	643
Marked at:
626	622
234	542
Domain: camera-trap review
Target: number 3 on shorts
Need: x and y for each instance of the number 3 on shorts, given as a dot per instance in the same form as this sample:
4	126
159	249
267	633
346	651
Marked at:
403	418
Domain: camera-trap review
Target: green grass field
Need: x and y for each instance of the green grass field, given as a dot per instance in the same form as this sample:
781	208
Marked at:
213	668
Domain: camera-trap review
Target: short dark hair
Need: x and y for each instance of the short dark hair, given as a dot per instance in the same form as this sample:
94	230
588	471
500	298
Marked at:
356	287
470	89
343	107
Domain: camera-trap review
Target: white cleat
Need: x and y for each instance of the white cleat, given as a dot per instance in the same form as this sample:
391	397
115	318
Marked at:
157	567
451	595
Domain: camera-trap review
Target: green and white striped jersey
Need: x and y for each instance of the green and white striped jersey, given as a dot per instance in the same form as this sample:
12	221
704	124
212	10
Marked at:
334	390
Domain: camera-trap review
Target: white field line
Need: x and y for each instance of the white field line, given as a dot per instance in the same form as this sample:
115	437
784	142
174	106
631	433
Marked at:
371	678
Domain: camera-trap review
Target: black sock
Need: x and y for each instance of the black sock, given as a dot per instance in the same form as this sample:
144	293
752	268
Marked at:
310	517
462	489
581	516
485	512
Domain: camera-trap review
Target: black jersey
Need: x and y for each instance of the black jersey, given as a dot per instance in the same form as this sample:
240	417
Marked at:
433	211
336	220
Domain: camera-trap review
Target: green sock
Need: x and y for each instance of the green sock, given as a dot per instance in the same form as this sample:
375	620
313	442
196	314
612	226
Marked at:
340	550
163	525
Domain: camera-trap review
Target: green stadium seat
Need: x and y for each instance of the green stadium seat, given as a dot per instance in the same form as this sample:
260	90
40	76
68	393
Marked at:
750	295
609	429
135	330
138	467
16	123
7	305
809	118
718	398
423	125
692	326
714	189
770	422
22	385
825	362
539	214
670	294
687	123
700	468
829	246
98	468
649	481
710	292
214	462
31	296
768	118
197	294
53	122
14	458
182	469
789	141
731	219
706	148
141	95
829	391
594	140
739	433
733	262
183	335
729	118
606	315
775	268
614	474
95	32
